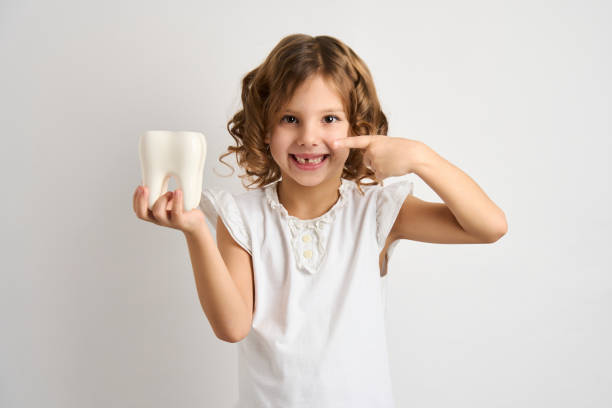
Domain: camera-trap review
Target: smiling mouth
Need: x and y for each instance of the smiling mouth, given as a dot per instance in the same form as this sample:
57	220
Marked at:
309	161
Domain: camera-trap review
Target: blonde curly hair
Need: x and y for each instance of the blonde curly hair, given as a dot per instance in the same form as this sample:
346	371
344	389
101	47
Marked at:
267	88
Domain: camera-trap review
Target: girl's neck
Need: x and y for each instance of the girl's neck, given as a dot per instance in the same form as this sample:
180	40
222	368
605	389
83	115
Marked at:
306	202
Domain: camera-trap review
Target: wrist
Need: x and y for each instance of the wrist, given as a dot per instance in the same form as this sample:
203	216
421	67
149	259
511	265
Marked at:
195	232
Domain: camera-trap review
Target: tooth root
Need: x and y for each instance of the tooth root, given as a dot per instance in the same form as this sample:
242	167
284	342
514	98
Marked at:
180	154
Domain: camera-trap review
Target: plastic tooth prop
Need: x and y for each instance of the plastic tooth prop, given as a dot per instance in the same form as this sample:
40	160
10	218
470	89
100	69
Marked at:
180	154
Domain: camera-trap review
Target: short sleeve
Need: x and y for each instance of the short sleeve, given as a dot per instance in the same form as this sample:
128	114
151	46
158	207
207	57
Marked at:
219	203
389	201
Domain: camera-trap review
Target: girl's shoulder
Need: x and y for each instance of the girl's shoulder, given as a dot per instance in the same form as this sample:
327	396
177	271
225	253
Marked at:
239	212
250	197
378	192
242	198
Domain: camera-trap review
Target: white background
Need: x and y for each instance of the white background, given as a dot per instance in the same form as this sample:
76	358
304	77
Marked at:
100	309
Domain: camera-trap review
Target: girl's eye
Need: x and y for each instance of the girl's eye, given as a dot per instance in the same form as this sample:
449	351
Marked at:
287	116
292	118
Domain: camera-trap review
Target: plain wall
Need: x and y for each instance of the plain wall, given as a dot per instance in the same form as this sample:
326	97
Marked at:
99	308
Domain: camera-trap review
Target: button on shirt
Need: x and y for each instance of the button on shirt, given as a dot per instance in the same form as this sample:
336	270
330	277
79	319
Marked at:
318	337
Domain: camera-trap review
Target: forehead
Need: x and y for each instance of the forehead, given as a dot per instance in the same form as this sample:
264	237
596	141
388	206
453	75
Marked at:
316	94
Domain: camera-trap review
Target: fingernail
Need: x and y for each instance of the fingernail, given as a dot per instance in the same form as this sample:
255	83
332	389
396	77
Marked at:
139	190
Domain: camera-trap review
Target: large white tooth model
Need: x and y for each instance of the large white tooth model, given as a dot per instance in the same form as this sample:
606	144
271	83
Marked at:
180	154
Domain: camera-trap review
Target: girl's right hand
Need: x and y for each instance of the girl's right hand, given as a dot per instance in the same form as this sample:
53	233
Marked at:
167	211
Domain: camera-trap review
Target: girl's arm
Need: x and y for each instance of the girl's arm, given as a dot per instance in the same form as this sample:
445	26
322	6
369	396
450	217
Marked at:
467	214
220	297
471	207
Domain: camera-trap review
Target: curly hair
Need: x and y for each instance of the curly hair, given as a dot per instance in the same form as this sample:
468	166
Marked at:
267	88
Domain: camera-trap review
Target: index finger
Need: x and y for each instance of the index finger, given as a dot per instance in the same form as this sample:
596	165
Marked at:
359	142
139	203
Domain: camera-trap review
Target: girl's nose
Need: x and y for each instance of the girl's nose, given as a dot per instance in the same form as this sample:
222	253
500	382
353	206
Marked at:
309	135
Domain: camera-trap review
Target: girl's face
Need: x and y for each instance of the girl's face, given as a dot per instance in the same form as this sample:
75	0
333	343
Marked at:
309	123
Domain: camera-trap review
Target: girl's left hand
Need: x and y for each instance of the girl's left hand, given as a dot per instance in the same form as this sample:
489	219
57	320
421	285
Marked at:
386	156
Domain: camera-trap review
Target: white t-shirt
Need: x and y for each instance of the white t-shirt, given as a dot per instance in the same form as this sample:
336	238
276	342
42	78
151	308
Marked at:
318	337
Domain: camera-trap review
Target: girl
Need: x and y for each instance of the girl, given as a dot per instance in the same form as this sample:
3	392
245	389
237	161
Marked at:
296	273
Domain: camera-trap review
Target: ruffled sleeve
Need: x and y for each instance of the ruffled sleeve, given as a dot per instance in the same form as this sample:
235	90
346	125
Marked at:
389	201
219	203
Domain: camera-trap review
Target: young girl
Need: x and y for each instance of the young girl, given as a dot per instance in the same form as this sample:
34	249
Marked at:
295	276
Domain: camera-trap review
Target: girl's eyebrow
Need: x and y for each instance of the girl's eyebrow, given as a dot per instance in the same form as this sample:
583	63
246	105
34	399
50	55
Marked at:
332	110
